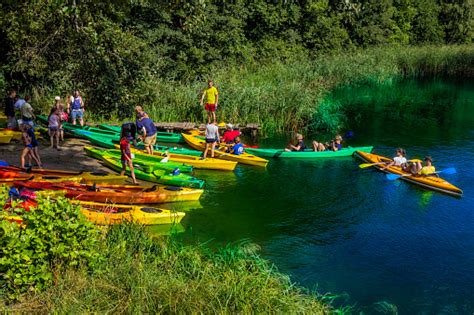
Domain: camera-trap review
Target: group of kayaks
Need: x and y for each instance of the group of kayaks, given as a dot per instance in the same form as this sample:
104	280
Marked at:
105	199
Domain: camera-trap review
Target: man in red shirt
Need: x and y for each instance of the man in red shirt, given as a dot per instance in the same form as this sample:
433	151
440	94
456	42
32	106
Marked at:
230	134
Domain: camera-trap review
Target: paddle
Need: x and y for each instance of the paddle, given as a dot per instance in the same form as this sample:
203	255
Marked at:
365	165
450	170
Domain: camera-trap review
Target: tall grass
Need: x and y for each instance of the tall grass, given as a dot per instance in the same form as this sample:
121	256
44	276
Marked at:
144	275
292	95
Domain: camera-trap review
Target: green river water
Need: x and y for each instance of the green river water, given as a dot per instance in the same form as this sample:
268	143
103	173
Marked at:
380	245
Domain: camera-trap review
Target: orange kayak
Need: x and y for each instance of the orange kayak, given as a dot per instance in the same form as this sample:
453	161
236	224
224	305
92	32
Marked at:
428	182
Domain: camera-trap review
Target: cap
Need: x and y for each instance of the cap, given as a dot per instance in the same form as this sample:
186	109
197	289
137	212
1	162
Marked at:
57	98
230	126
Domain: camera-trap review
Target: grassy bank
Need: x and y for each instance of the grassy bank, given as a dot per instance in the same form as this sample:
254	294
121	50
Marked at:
291	95
139	274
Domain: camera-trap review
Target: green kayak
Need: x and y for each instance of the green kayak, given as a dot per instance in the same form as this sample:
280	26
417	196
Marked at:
160	136
157	176
66	126
141	161
307	154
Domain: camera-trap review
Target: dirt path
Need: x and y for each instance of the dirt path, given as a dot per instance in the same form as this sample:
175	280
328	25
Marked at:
71	157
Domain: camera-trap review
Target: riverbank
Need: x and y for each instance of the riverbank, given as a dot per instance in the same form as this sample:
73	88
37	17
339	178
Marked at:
140	274
293	95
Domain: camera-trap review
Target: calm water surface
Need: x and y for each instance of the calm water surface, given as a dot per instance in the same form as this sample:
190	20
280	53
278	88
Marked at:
336	228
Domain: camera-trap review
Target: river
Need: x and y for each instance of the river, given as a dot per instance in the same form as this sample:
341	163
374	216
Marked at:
379	245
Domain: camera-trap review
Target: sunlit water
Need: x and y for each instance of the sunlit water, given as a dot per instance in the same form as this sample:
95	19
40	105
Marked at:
336	228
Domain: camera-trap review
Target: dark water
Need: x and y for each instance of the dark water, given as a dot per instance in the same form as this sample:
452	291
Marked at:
336	228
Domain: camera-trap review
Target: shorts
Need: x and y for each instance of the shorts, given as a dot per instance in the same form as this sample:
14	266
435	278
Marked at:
149	141
53	129
77	113
211	140
29	146
210	107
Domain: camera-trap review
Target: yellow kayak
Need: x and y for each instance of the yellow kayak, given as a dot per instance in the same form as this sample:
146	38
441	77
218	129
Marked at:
244	158
196	162
16	135
5	138
429	182
106	214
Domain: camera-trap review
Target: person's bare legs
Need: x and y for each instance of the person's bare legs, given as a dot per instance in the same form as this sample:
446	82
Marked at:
214	116
36	156
132	171
212	149
24	153
208	116
81	121
205	150
51	138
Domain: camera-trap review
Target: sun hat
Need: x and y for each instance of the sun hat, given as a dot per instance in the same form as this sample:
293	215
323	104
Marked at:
230	126
428	158
57	98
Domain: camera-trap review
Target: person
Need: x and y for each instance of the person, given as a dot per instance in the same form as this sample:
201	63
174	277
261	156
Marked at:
212	137
126	155
77	108
318	146
212	99
10	109
69	102
26	110
148	129
18	102
140	113
399	159
63	117
427	169
129	130
53	127
336	144
34	144
28	146
230	134
299	146
238	147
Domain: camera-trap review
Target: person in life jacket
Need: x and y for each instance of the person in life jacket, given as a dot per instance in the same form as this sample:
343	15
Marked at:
77	108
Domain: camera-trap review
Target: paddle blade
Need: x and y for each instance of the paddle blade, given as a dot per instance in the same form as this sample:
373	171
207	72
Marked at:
392	176
4	163
365	165
450	170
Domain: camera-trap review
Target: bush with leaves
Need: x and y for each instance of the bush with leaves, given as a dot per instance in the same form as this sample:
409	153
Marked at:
53	235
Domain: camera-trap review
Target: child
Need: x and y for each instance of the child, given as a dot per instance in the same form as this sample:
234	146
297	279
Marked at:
53	127
238	147
34	143
28	149
299	146
126	156
212	137
399	160
212	98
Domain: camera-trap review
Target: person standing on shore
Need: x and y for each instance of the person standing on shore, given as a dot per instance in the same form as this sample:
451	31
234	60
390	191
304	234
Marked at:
149	133
26	110
77	108
212	99
212	137
10	109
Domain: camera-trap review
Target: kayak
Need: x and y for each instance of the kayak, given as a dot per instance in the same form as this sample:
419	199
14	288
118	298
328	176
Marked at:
7	176
39	174
66	126
141	160
106	214
5	138
161	136
308	154
208	164
243	158
123	194
200	134
15	134
428	182
157	176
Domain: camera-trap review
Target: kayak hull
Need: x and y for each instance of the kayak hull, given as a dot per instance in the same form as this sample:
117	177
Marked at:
122	194
282	154
109	214
428	182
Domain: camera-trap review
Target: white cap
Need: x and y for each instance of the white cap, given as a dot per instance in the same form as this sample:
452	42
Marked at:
57	98
230	126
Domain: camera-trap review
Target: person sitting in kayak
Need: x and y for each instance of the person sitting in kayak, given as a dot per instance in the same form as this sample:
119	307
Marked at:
126	156
318	146
399	159
230	134
335	145
426	170
238	147
299	146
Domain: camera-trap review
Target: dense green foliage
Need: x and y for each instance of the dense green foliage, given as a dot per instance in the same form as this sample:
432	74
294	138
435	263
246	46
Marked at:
139	274
55	235
144	52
